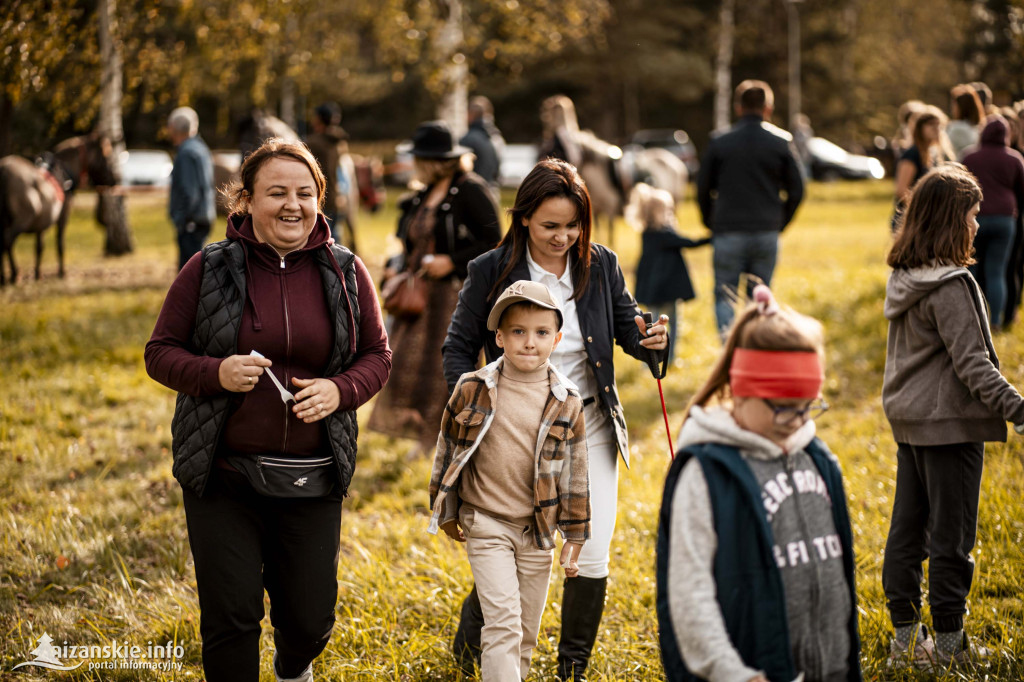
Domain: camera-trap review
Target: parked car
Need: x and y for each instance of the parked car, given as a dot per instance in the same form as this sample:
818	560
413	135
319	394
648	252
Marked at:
675	141
399	171
146	167
517	162
829	161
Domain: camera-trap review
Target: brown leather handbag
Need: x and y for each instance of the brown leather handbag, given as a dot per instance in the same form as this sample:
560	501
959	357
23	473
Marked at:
405	295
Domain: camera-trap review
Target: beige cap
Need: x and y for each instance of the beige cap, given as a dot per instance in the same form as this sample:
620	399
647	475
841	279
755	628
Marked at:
523	290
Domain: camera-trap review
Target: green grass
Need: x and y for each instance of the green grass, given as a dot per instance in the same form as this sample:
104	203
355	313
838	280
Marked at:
92	534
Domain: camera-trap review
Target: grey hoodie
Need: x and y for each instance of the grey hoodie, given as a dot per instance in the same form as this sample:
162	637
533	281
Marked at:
807	551
942	383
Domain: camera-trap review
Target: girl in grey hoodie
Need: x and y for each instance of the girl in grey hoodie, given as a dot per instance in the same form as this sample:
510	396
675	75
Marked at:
944	397
755	558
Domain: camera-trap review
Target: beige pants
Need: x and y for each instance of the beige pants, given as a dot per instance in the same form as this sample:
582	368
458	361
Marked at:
511	576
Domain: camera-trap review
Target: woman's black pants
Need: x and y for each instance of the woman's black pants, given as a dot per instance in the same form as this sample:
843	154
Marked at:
934	517
244	543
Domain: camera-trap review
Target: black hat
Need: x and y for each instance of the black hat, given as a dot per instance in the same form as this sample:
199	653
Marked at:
433	140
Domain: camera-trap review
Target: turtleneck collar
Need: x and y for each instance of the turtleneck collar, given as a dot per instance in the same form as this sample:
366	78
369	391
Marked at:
510	371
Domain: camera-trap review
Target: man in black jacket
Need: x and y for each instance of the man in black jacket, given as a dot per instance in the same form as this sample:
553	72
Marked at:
742	178
484	138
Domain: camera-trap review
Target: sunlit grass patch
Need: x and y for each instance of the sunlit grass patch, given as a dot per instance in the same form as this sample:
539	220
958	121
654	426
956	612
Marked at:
92	534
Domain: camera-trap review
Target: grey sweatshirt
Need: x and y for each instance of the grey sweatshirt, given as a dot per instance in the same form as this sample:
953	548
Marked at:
807	551
942	382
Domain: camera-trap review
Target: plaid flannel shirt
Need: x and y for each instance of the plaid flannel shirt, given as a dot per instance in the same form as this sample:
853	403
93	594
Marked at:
561	498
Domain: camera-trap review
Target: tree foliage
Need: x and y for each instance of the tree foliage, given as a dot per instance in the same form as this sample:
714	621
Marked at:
627	63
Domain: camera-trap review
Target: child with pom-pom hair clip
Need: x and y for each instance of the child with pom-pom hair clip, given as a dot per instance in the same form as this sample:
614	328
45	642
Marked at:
755	559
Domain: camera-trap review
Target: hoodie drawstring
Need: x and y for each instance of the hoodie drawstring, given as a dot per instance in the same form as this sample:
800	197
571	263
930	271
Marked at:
257	323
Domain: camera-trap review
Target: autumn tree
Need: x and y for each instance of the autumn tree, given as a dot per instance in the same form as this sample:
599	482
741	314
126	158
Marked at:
43	45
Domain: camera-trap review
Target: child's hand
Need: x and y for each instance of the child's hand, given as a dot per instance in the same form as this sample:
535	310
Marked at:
454	531
567	559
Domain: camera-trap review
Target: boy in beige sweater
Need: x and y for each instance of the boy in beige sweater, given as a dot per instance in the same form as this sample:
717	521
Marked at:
511	469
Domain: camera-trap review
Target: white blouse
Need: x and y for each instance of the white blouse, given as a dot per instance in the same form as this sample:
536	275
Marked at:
570	357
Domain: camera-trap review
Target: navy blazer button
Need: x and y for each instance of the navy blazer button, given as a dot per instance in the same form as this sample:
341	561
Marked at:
598	363
607	388
590	339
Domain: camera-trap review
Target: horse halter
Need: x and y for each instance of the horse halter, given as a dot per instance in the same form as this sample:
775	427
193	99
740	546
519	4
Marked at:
51	163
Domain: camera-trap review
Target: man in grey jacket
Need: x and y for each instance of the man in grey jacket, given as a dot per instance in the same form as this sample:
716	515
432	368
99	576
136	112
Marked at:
191	204
744	172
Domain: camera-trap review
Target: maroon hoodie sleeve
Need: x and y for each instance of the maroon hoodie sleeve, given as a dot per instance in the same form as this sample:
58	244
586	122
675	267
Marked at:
372	367
168	358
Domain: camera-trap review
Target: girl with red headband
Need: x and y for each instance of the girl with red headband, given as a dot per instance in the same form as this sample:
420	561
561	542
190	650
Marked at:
755	559
944	398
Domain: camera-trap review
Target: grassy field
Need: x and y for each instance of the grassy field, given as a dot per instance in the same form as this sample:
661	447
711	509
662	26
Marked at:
92	535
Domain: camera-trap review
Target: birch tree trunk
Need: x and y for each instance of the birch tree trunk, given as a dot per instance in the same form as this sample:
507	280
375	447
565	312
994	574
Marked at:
455	70
110	209
288	111
723	64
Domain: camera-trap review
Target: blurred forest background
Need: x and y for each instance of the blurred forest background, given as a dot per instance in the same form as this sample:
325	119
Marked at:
627	64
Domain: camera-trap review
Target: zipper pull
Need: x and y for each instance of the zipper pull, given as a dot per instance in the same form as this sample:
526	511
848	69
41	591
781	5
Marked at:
282	262
259	468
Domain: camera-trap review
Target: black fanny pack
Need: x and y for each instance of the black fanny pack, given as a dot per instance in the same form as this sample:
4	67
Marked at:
286	476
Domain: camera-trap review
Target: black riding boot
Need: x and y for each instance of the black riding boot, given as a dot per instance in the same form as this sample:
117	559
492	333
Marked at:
582	606
466	644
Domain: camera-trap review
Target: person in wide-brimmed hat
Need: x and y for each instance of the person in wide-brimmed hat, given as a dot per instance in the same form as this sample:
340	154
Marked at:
433	140
442	226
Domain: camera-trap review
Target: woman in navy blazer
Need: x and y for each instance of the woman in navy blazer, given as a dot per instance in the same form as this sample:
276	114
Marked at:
549	241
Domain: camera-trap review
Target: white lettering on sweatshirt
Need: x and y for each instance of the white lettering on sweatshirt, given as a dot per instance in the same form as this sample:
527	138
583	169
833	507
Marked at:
777	490
796	553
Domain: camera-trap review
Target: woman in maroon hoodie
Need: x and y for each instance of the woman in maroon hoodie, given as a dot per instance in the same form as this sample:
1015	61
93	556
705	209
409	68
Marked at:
1000	172
264	445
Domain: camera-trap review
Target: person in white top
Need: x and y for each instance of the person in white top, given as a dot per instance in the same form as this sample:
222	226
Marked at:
549	242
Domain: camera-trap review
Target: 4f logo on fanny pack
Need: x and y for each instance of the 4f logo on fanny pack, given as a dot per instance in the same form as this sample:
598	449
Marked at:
301	481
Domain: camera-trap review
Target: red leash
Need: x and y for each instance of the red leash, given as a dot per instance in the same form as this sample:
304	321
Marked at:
668	431
658	374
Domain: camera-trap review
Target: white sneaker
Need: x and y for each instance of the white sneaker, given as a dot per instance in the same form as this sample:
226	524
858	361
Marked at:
969	655
919	655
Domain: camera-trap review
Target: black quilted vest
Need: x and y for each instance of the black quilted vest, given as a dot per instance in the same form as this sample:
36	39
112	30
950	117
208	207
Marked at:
198	422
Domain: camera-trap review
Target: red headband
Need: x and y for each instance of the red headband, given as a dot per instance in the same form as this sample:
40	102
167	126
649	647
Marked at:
775	374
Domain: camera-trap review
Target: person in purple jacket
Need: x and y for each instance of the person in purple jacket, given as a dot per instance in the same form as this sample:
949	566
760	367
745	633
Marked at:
264	446
1000	172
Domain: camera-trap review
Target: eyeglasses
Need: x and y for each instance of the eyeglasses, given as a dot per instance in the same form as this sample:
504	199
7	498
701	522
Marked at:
787	414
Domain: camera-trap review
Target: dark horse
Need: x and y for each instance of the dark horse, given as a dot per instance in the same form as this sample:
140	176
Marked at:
34	196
